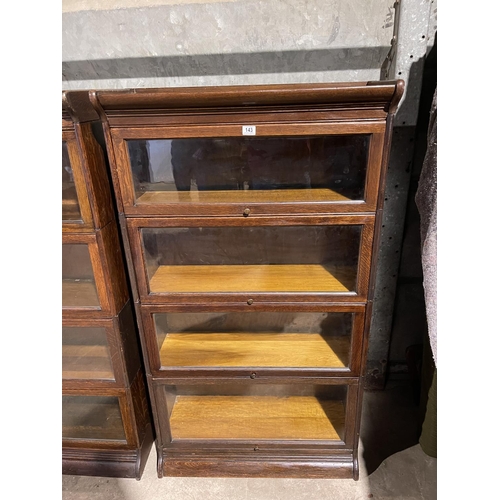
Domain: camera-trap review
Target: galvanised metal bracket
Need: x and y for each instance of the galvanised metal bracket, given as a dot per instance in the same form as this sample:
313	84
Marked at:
386	65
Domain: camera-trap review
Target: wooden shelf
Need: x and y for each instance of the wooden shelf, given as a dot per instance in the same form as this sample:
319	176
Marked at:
86	362
92	418
252	278
298	350
256	418
79	293
242	196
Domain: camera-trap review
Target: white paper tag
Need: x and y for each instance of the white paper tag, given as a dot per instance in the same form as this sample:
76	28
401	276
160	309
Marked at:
248	130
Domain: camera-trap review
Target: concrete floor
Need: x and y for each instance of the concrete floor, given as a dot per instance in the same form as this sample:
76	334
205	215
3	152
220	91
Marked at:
392	466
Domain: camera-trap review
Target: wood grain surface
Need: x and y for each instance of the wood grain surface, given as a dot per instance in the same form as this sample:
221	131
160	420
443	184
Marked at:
256	417
241	196
255	349
252	278
372	93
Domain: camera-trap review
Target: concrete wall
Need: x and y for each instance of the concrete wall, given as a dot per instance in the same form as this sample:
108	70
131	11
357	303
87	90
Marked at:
227	42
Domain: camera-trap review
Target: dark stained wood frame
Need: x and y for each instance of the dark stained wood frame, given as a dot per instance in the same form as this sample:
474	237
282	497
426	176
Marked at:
113	458
136	113
92	461
123	348
87	223
243	373
178	455
338	464
124	173
104	309
373	269
112	336
135	225
126	413
109	272
373	97
191	445
91	181
89	169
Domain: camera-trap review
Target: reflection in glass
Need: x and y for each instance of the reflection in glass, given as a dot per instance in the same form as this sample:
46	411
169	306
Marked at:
249	169
70	206
252	259
85	354
257	412
96	418
78	283
263	339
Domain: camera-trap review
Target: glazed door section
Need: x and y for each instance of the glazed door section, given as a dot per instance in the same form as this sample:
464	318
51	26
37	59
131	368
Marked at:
287	168
259	342
86	354
250	169
84	287
255	415
76	211
70	206
92	418
252	259
225	257
78	280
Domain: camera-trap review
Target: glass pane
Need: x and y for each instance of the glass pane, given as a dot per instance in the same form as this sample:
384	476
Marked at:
252	259
256	412
93	418
263	339
250	169
70	206
78	283
85	354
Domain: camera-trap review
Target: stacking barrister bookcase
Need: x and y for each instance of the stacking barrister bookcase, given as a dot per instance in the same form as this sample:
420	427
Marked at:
106	425
250	217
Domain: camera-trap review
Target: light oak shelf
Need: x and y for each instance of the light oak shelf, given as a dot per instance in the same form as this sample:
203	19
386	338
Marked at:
252	278
299	350
79	293
256	418
86	362
242	196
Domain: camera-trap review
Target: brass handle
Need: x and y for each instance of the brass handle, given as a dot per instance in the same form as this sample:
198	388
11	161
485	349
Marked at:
250	302
246	212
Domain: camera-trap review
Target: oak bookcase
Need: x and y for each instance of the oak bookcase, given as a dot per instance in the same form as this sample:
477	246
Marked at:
106	424
251	217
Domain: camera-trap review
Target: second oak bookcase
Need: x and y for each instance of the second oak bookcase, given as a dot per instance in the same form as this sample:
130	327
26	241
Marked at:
251	217
106	423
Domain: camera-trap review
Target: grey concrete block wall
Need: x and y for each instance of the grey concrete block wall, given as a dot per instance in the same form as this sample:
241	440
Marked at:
117	44
226	42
